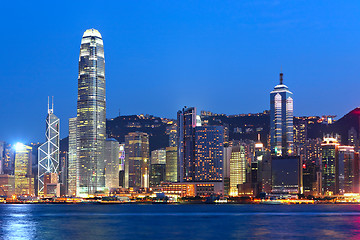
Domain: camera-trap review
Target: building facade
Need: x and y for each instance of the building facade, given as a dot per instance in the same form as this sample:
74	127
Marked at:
137	162
112	148
186	144
171	164
237	168
24	181
91	114
48	152
330	166
73	167
281	120
209	148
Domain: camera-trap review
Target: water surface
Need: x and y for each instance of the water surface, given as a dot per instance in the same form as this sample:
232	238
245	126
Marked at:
94	221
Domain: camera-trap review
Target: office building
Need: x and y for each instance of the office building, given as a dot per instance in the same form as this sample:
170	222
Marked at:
8	166
122	165
286	174
330	165
281	120
237	168
171	164
348	169
73	167
186	144
111	163
226	168
48	152
157	174
209	155
137	162
158	156
171	130
157	168
91	115
24	181
7	185
2	155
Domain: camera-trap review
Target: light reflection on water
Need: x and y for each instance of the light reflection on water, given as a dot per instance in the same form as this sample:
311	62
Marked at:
179	221
17	222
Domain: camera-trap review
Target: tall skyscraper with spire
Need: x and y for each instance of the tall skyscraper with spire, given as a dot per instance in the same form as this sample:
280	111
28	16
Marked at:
91	114
281	120
48	152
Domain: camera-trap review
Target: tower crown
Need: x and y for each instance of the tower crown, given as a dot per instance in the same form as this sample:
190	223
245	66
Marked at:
92	33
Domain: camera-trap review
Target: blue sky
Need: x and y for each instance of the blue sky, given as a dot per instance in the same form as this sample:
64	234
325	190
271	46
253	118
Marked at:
221	56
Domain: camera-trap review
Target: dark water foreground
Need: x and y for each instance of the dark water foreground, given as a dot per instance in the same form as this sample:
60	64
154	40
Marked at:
179	221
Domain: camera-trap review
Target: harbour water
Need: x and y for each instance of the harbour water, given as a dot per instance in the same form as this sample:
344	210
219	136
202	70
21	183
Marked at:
152	221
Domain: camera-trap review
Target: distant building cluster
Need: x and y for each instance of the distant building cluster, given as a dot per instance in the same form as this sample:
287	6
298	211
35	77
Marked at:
263	154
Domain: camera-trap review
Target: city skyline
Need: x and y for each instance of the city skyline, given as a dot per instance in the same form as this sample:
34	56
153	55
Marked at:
141	64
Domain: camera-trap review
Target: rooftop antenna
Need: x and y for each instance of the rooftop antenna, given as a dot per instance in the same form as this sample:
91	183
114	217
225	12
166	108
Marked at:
50	110
258	137
281	76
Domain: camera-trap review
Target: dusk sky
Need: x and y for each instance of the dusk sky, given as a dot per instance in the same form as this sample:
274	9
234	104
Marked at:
221	56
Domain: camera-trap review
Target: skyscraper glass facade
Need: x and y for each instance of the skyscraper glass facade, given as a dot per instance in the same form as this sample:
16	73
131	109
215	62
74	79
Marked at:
73	164
48	152
330	165
281	120
209	147
137	162
91	114
24	182
186	144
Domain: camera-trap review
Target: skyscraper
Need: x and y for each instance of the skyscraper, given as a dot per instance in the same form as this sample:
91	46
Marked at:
24	182
171	164
157	168
209	149
2	155
237	168
48	152
137	160
281	120
73	164
330	165
112	148
91	114
186	144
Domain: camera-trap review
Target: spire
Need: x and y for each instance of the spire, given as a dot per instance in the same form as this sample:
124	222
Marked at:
51	110
281	78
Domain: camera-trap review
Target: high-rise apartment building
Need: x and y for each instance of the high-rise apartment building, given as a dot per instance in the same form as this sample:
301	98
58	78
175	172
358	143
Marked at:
24	181
111	163
73	167
48	152
281	120
186	144
137	162
209	148
91	114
